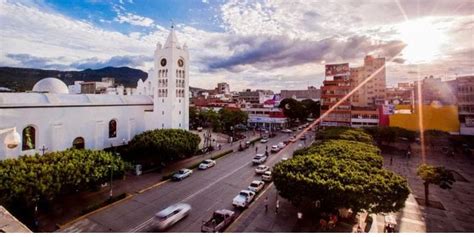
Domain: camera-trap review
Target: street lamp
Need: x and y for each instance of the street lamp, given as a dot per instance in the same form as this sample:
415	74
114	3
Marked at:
13	138
111	174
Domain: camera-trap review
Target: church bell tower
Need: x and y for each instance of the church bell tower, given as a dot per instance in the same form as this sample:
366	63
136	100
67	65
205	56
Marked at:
171	95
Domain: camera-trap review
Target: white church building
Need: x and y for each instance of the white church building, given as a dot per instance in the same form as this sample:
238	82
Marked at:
50	119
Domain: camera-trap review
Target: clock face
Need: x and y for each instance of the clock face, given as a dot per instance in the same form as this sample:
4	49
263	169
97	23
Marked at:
180	62
163	62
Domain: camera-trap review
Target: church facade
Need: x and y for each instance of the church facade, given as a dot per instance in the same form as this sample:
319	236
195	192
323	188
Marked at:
51	119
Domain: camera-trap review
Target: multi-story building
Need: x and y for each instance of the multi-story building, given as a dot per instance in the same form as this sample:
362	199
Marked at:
373	92
464	90
250	96
434	90
264	117
364	117
402	94
312	93
223	88
336	85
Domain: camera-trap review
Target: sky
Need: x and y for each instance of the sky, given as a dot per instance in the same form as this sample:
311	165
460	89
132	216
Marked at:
275	45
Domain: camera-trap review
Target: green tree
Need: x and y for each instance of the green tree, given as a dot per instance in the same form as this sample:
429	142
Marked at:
344	133
194	117
440	176
44	177
231	117
163	145
294	110
313	107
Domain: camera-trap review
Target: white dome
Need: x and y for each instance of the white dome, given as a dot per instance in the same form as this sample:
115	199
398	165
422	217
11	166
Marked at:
51	85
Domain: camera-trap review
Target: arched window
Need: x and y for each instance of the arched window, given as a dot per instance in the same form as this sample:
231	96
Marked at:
29	138
112	128
78	143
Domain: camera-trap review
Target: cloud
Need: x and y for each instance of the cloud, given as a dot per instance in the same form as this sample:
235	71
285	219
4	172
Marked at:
280	51
26	60
130	18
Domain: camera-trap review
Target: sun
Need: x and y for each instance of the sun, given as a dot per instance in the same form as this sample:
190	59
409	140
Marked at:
423	41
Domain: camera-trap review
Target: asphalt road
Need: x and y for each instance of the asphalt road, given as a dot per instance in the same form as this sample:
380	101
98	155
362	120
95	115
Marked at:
206	191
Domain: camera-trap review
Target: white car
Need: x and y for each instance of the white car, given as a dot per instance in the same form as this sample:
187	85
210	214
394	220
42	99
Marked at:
207	164
286	131
181	174
172	214
264	140
259	159
267	176
243	199
256	186
261	169
284	158
281	145
275	149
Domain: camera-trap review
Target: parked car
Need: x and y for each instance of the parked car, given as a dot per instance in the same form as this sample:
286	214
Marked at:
281	145
171	215
259	159
267	176
181	174
293	139
264	140
207	164
286	131
256	186
275	149
284	158
261	169
199	129
303	137
287	141
219	221
243	199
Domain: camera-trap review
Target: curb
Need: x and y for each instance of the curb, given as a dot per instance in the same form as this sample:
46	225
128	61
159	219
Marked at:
152	186
67	224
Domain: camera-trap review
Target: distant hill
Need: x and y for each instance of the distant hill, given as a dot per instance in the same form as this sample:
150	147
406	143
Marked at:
23	79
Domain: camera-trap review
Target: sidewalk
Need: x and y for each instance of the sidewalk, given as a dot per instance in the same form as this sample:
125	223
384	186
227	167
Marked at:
458	202
70	207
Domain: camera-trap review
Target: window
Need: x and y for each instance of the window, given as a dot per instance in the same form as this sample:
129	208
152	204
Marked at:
163	112
180	112
112	128
29	138
78	143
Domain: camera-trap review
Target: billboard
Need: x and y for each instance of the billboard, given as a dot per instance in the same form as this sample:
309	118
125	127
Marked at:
337	69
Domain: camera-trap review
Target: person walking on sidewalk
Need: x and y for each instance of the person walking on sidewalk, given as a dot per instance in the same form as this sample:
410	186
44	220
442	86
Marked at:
266	204
256	149
277	206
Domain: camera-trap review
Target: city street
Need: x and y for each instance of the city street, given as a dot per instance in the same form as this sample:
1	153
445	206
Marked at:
205	191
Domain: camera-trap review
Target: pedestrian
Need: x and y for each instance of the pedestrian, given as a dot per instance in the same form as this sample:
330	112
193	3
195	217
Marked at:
266	148
256	149
266	203
408	154
266	153
277	206
391	159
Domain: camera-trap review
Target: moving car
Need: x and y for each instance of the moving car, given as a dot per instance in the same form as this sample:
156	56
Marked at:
243	199
261	169
259	159
207	164
256	186
219	221
264	140
286	131
275	149
172	214
181	174
267	176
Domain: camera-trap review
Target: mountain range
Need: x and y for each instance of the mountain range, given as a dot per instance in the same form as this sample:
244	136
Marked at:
23	79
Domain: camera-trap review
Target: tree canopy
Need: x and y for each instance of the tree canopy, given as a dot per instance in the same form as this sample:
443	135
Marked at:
164	145
231	117
294	110
341	174
344	133
46	176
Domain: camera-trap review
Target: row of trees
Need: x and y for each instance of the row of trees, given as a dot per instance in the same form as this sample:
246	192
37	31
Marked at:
340	174
162	145
43	177
296	110
223	121
344	133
